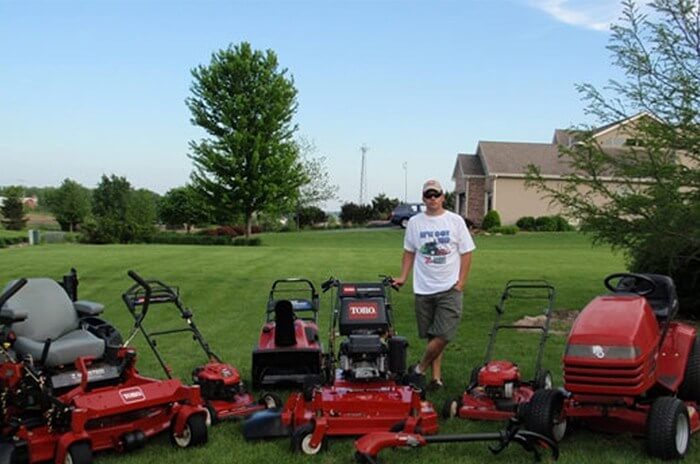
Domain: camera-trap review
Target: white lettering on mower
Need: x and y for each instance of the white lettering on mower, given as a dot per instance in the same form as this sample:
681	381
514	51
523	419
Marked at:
132	395
362	311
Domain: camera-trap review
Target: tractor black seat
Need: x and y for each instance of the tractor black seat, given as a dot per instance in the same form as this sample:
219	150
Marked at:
663	300
52	322
284	323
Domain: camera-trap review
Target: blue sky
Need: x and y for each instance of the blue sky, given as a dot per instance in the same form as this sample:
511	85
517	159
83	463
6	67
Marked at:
97	87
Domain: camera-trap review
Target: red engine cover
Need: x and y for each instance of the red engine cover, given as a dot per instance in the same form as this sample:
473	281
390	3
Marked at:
220	372
498	373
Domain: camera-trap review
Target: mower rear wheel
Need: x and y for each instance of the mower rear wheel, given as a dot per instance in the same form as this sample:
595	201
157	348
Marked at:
543	380
668	428
545	414
270	400
690	388
301	440
79	453
451	407
195	432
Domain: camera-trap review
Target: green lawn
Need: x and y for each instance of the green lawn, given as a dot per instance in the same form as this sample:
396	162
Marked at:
227	289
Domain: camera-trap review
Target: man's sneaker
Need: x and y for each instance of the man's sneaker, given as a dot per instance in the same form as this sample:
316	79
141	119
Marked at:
414	378
435	385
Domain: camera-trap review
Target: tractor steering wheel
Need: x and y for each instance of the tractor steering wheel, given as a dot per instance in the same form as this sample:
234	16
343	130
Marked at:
647	284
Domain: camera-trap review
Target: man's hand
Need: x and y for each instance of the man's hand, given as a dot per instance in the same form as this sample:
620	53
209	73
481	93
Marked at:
399	281
459	286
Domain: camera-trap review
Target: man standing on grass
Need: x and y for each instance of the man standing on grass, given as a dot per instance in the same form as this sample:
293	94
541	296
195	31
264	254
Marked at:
438	246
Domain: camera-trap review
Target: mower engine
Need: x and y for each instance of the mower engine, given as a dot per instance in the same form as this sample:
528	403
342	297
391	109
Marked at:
368	353
499	378
217	381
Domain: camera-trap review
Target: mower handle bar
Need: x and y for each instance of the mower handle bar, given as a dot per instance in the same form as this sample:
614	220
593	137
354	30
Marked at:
10	292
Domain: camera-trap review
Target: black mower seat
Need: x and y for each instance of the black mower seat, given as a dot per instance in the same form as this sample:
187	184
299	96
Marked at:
51	315
663	300
284	324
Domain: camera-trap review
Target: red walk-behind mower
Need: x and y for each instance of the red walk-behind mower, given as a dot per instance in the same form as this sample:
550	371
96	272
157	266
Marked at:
69	387
289	351
496	389
222	390
628	367
366	393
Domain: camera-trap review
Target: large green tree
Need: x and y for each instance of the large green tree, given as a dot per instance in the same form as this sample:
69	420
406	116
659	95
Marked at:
12	209
248	161
70	204
183	206
651	210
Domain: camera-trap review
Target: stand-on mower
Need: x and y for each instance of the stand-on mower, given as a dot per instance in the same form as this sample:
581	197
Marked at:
368	447
289	351
628	367
224	394
69	387
496	390
366	393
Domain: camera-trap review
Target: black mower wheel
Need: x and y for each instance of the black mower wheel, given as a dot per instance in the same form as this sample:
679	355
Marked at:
79	453
543	380
690	388
450	408
270	400
8	454
301	438
194	434
668	428
544	414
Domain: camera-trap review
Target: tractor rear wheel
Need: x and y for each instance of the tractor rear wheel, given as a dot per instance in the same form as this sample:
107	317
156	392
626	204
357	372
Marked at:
668	428
690	388
545	414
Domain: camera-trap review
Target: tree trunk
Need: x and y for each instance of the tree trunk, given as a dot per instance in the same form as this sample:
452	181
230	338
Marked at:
249	225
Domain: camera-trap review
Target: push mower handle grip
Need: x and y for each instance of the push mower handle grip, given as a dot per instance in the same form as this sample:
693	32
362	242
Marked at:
139	280
328	284
388	280
9	293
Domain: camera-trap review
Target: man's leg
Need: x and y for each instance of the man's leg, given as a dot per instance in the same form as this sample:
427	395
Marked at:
433	351
436	367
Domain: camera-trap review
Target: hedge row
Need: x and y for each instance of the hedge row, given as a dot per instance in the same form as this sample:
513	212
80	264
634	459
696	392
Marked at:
7	241
192	239
544	224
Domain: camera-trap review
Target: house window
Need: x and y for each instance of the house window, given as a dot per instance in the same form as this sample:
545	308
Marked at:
489	201
462	204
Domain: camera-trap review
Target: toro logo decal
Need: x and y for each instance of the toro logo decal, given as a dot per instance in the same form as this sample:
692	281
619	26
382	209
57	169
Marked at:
362	311
132	395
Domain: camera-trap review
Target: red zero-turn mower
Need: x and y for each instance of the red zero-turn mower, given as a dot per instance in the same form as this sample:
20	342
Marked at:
496	390
368	447
222	389
628	367
289	351
366	393
69	388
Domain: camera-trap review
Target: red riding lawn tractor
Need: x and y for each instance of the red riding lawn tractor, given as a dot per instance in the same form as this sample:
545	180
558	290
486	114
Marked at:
496	389
69	387
628	367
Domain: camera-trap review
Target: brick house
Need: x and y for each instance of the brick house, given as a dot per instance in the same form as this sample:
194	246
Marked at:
494	176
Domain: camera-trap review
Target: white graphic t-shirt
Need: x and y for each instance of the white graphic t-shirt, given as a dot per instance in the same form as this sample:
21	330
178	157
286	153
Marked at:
438	242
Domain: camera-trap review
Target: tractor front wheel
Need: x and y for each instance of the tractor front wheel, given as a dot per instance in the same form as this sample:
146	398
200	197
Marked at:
79	453
690	388
668	428
195	432
301	440
545	414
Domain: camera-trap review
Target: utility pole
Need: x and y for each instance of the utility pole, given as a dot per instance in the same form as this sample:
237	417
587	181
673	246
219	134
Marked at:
405	182
363	174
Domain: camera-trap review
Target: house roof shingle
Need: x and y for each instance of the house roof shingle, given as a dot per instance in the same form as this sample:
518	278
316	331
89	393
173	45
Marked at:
470	165
514	158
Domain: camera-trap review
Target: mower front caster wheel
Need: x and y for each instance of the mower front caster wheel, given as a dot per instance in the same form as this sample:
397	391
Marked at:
301	441
79	453
451	407
195	432
668	428
270	400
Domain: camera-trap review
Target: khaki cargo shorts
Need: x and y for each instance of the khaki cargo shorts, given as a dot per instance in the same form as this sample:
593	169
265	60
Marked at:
439	314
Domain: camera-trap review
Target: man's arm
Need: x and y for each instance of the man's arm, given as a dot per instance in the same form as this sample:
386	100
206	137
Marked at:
465	264
406	266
